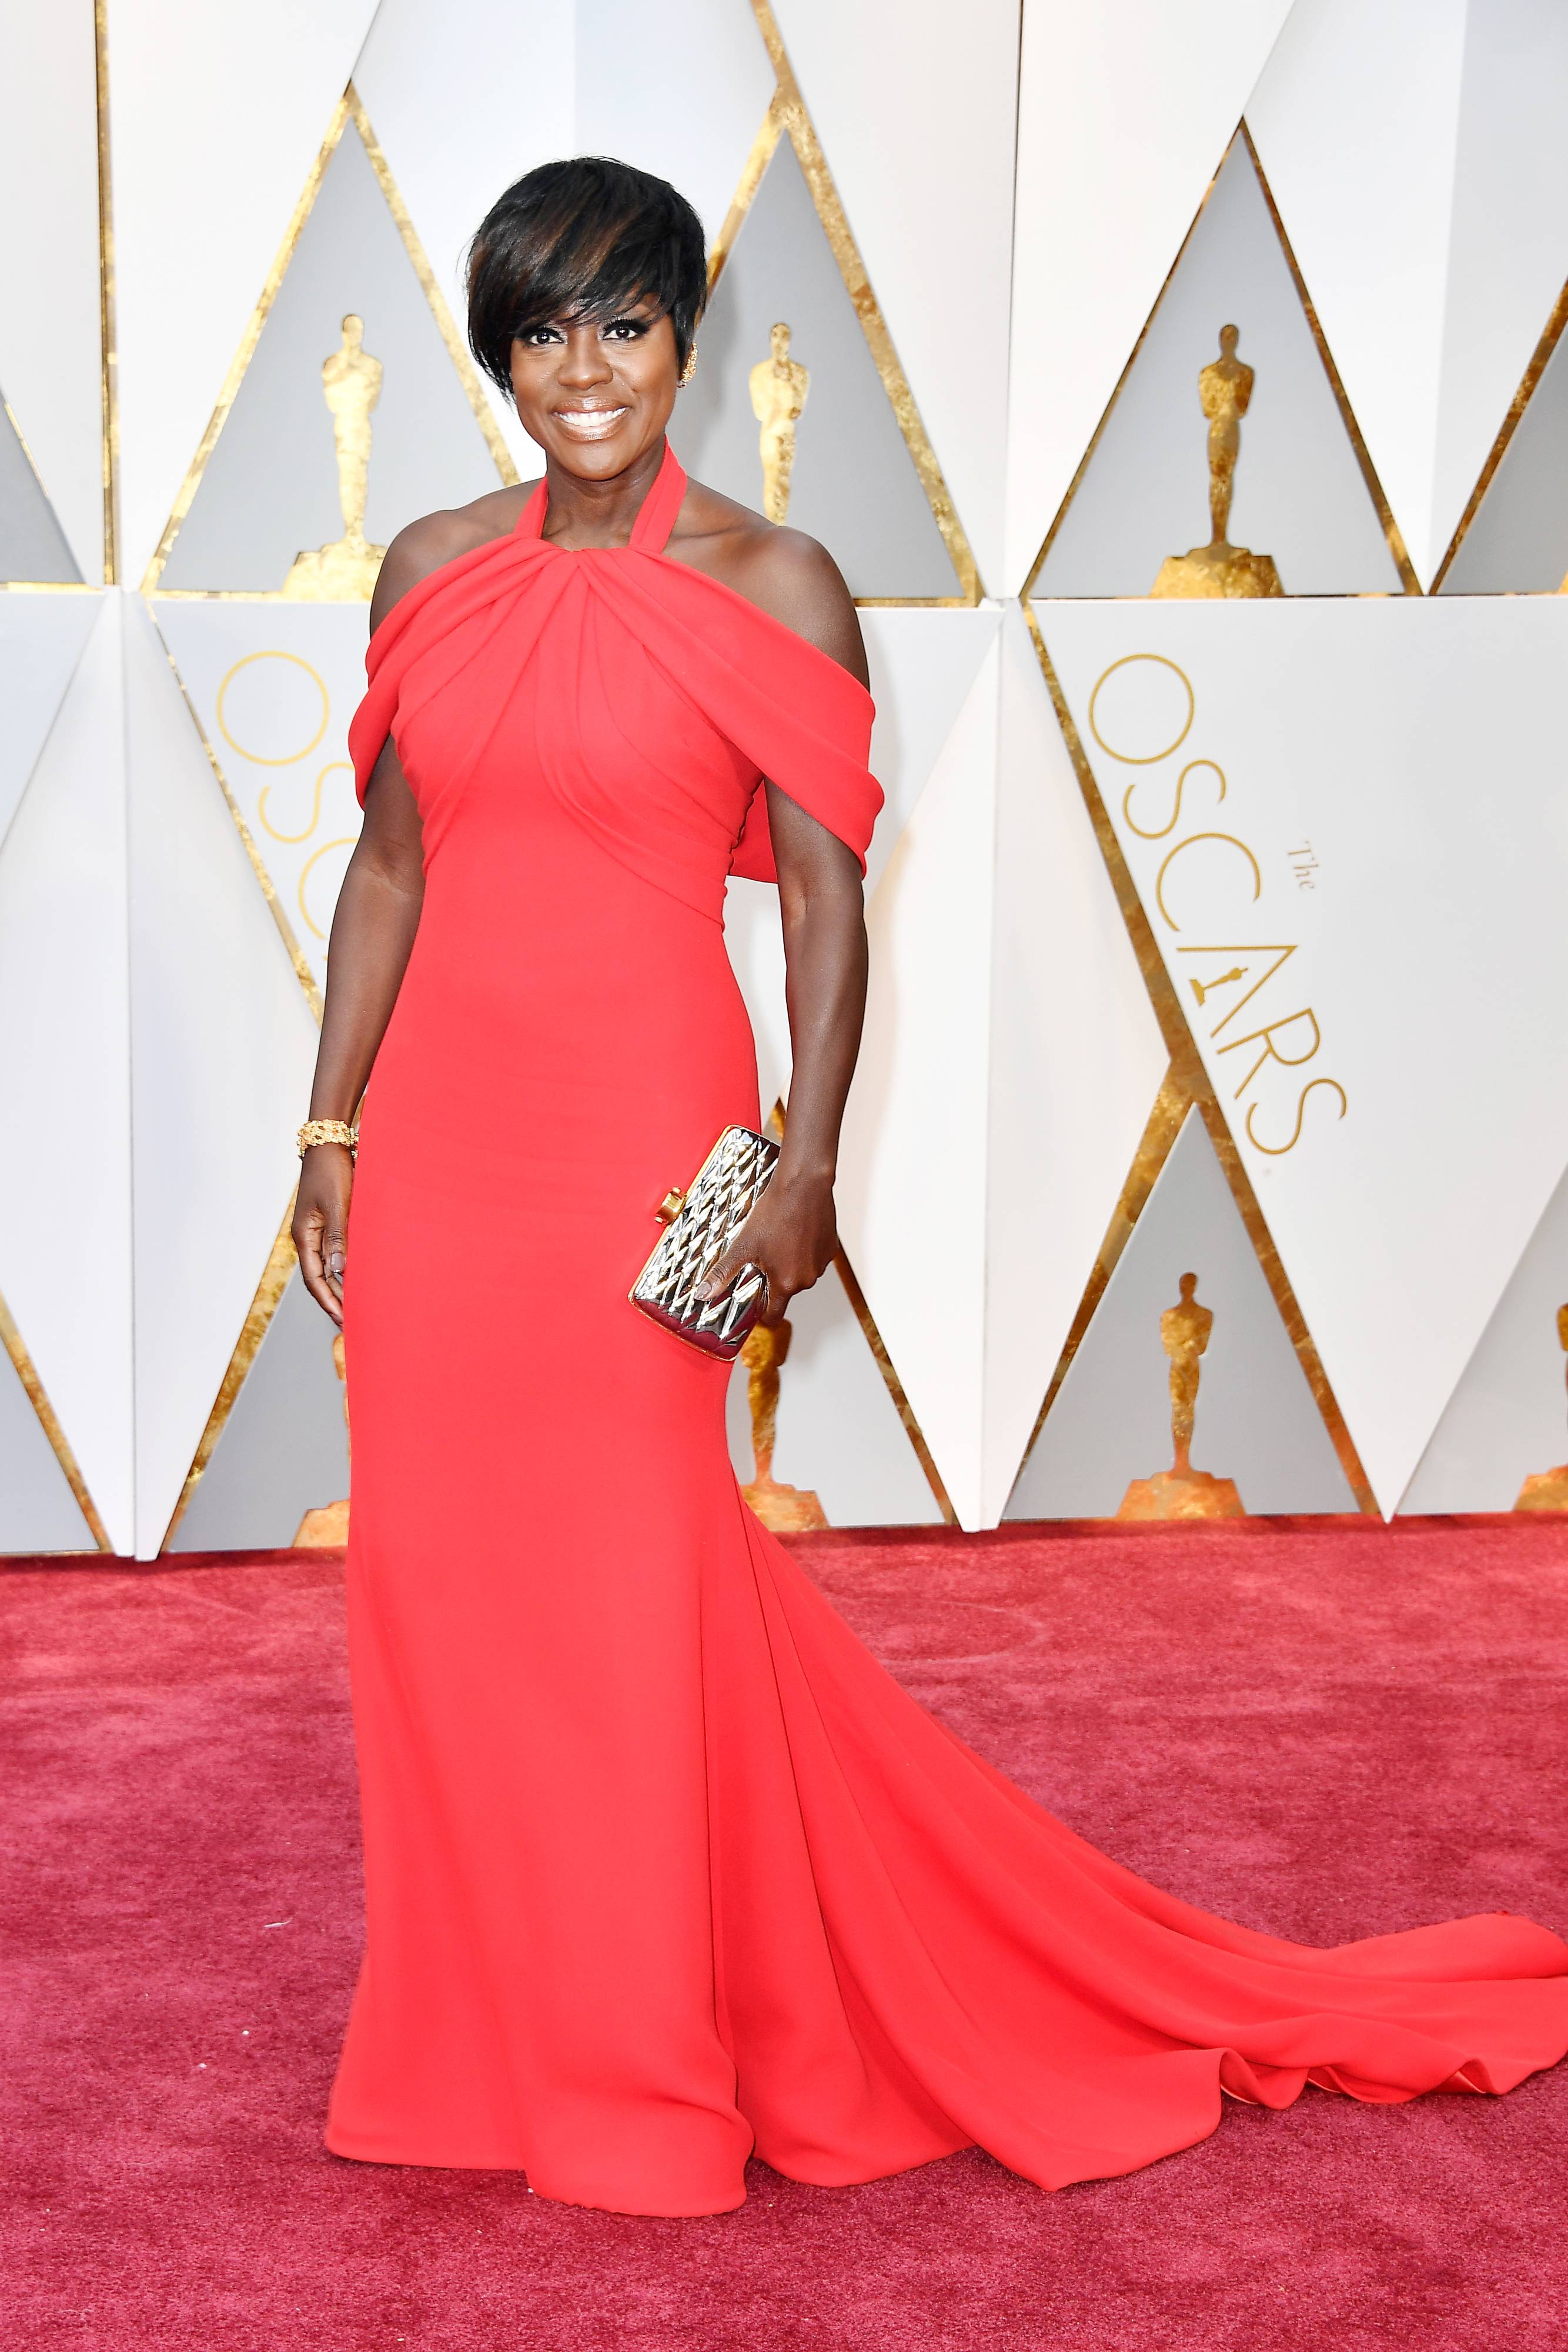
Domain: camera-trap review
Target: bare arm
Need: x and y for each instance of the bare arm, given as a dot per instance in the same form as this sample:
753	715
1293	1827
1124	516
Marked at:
791	1234
373	935
373	926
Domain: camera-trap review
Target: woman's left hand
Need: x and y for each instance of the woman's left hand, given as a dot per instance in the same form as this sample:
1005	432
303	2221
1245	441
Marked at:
791	1233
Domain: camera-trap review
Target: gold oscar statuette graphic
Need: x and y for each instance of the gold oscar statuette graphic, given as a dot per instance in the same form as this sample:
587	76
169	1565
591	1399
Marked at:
326	1529
787	1510
1225	388
1181	1492
779	390
344	571
1547	1490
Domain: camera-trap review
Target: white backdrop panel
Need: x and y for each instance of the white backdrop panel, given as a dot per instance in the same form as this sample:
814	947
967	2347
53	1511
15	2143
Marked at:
223	1046
1124	111
912	1190
215	125
677	86
49	344
1075	1059
922	665
41	641
1394	815
275	687
65	1073
922	155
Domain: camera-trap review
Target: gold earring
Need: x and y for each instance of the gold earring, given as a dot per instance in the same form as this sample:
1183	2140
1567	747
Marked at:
690	368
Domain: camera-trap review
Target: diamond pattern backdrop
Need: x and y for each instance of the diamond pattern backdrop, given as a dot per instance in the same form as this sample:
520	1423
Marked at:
1223	942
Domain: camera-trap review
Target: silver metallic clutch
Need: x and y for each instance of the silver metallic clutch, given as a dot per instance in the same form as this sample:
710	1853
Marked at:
700	1224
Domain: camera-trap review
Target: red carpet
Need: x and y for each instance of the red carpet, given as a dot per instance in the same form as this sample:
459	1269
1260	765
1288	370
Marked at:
1326	1730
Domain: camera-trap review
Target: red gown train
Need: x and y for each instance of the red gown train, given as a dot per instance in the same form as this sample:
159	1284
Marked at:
661	1866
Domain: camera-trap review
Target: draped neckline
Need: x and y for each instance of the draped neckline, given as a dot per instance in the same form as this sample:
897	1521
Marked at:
470	628
650	536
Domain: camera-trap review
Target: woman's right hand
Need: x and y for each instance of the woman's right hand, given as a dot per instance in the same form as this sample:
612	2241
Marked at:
320	1226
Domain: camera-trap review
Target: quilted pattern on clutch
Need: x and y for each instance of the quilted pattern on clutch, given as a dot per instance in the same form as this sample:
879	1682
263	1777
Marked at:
716	1205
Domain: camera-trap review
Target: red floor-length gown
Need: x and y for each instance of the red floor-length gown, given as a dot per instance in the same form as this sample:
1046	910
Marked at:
662	1867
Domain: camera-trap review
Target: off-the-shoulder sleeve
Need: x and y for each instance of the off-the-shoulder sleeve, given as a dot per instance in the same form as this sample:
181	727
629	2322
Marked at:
372	721
820	761
419	625
783	702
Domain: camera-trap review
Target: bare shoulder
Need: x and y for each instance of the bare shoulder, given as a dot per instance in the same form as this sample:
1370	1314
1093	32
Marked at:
423	547
786	573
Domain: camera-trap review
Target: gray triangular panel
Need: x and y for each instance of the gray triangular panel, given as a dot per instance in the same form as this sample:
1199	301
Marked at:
1111	1423
270	487
38	1510
1509	1416
1300	495
1518	539
283	1450
854	485
838	1432
31	544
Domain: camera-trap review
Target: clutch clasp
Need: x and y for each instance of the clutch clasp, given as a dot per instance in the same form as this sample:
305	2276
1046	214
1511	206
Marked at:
670	1207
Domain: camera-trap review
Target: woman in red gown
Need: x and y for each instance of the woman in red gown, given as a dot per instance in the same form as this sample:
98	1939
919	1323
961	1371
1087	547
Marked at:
662	1868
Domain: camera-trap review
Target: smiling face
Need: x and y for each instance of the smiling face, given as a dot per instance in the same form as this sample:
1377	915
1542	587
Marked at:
596	394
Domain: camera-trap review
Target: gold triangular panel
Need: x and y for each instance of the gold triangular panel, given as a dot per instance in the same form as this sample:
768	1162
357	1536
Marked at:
1256	1424
844	1430
281	1448
351	411
1163	1125
820	430
1263	420
281	1263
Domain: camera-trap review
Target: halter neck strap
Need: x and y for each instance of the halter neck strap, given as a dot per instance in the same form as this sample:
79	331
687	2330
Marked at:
655	517
530	523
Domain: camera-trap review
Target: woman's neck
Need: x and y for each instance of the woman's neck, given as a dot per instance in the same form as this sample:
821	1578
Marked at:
582	513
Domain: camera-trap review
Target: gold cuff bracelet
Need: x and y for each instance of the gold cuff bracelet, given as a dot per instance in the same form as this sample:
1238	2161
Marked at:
327	1130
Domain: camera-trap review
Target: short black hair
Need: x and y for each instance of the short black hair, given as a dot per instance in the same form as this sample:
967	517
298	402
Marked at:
584	238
